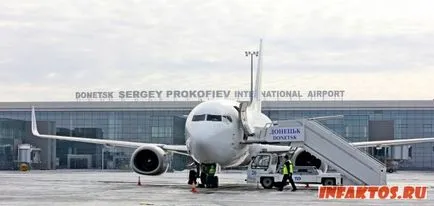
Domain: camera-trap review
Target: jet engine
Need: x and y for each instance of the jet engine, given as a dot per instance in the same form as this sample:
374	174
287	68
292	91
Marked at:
149	160
301	157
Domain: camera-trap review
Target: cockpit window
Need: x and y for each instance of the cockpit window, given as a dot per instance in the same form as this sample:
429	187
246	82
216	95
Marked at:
200	117
228	118
210	117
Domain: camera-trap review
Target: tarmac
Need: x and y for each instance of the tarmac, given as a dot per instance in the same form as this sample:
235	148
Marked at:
97	187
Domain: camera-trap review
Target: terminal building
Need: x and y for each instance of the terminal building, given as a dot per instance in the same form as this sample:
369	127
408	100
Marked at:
163	122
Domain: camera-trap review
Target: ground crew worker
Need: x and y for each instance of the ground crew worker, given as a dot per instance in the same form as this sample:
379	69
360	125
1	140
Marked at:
211	171
210	175
287	170
192	180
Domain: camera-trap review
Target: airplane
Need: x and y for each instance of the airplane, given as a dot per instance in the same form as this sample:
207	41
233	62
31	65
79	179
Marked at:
214	134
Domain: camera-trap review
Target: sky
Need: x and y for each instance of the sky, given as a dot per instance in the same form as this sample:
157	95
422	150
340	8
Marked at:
371	49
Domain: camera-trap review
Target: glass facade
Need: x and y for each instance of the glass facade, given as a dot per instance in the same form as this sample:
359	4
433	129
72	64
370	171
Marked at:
11	132
159	124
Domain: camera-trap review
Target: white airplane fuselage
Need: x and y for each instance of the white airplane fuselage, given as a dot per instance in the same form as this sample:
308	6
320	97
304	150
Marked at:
214	132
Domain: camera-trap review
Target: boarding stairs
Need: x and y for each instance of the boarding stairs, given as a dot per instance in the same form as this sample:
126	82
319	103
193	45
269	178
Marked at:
356	166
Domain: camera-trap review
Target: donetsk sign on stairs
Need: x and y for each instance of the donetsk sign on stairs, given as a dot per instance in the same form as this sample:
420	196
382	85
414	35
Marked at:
285	134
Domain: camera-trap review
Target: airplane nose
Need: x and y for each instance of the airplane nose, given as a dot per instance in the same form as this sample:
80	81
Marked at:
203	148
207	147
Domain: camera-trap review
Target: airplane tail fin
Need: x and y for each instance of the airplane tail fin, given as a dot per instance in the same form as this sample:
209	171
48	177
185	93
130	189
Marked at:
257	91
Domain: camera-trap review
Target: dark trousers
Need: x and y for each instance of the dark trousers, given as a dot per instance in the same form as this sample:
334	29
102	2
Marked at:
203	178
286	178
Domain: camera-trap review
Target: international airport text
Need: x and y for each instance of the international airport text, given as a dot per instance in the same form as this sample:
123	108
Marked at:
206	94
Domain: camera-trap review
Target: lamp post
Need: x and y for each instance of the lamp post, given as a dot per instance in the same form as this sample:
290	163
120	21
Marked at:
251	53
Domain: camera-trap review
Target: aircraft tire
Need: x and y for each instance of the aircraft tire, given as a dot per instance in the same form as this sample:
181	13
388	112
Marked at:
212	181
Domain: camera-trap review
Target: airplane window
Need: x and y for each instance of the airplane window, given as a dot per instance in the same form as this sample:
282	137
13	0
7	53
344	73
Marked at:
200	117
211	117
228	118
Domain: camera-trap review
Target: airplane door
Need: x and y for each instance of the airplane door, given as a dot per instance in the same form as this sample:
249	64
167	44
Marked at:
244	120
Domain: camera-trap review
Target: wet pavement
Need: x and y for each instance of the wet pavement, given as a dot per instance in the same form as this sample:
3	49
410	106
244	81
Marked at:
95	187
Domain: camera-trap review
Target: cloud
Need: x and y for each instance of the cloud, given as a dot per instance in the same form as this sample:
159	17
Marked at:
85	45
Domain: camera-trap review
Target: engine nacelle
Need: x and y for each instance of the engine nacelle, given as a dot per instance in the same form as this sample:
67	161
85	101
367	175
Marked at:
303	158
149	160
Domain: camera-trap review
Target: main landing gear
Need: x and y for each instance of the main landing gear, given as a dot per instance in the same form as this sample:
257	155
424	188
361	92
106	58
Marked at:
208	178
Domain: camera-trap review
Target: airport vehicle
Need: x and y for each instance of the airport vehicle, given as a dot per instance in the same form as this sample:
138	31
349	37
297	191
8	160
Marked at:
216	132
265	168
392	166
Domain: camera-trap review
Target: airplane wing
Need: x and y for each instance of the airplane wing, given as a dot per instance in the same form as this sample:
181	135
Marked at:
392	142
180	149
